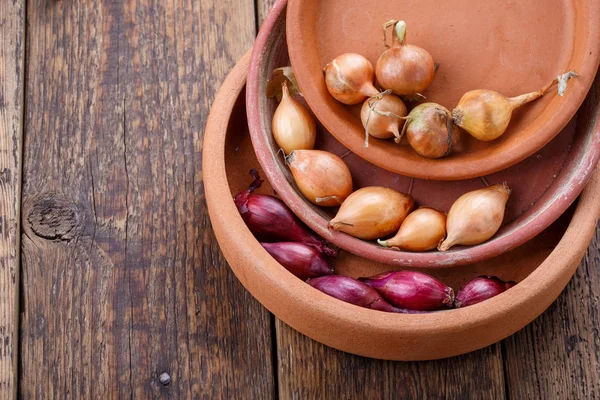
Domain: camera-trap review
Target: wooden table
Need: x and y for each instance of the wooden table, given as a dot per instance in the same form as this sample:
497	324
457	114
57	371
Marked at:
111	282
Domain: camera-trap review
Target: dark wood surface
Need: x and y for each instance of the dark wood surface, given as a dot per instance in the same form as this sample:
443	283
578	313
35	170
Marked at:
124	291
12	47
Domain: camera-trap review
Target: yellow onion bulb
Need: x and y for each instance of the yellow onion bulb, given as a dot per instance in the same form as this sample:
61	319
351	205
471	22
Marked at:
322	177
294	128
422	230
430	130
476	216
485	114
372	212
349	78
405	69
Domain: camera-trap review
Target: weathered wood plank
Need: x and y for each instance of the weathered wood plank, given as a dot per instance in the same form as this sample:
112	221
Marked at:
558	355
123	279
12	35
308	369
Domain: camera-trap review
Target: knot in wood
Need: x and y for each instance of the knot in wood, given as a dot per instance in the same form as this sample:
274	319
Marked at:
53	217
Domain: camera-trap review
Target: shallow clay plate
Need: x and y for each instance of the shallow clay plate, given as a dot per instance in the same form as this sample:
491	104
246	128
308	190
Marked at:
542	266
511	47
544	185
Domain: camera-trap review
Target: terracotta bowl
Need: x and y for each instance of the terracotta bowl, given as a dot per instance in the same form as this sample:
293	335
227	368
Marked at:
511	48
542	266
544	185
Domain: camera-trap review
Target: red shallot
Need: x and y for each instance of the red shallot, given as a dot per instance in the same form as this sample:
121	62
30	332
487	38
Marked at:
412	290
271	220
301	260
480	289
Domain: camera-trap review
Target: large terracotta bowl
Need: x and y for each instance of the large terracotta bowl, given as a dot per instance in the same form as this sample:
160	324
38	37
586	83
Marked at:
542	266
544	185
513	48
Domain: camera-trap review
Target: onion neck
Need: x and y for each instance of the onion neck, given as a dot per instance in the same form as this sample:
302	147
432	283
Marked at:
285	92
518	101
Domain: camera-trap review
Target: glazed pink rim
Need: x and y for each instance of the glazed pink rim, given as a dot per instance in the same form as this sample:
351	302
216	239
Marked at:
541	215
349	326
466	166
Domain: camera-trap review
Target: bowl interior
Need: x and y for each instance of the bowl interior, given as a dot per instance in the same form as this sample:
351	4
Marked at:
543	185
511	48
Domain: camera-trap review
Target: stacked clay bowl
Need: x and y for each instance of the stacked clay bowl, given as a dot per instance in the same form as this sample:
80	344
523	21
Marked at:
542	266
544	185
510	48
539	246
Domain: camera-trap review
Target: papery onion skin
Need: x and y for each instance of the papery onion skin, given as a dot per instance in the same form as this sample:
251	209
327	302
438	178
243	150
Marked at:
322	177
301	260
372	212
351	291
294	128
422	230
270	219
349	78
430	130
404	68
383	126
480	289
412	290
476	216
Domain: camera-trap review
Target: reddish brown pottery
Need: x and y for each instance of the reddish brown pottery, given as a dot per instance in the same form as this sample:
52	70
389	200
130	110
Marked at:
543	266
544	185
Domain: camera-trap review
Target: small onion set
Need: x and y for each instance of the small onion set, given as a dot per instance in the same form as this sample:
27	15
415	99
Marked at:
377	212
400	77
404	71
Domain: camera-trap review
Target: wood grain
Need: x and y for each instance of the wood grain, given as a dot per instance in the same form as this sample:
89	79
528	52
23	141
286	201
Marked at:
126	293
308	369
558	355
12	35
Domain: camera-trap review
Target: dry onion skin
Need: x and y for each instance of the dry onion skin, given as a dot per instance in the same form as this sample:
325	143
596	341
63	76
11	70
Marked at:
404	68
293	126
476	216
485	114
382	116
349	78
372	212
322	177
278	77
430	130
